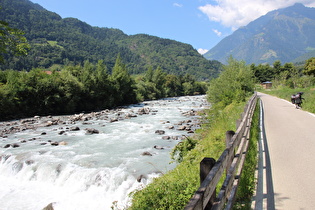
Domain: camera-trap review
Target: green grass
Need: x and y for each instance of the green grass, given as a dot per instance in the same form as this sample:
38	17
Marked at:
174	189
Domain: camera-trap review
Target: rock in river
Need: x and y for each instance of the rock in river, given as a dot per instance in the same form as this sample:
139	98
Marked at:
90	131
160	132
146	154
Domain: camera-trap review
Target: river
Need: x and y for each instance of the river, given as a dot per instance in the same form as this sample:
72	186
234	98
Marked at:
93	160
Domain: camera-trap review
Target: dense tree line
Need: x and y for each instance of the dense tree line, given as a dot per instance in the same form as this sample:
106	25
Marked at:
238	80
288	74
86	87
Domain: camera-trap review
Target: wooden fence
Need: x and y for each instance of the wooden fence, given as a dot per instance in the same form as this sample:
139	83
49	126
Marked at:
231	161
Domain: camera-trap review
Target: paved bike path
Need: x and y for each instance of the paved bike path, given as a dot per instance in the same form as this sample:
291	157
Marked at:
287	157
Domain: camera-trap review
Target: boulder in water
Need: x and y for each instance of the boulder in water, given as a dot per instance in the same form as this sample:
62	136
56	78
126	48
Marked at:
61	132
91	131
63	143
113	119
139	178
146	154
75	128
55	143
144	110
15	145
49	207
158	147
29	162
129	115
160	132
166	137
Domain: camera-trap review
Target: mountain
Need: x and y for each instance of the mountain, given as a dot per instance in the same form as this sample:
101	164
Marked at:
59	41
283	34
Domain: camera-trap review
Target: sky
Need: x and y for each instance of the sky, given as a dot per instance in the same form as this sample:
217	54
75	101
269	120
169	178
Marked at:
200	23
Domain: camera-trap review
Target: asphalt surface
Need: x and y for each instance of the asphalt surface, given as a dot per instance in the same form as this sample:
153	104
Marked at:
286	168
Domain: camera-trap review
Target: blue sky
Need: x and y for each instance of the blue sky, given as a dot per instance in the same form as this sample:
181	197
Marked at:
201	23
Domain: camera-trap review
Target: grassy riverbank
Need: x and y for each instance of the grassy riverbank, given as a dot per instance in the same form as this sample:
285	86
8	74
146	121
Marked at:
175	188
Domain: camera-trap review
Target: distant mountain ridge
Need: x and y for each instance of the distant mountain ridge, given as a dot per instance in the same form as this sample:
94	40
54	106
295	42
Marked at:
58	41
284	34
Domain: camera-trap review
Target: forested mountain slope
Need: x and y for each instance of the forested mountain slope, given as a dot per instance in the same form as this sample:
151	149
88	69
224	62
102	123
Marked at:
55	40
283	34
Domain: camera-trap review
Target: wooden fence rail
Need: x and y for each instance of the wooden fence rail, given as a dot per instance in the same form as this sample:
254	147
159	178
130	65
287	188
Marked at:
231	161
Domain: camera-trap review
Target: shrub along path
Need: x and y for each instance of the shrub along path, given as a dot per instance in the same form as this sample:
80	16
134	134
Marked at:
287	160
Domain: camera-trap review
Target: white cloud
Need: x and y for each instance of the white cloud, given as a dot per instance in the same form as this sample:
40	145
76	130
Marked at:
311	4
234	14
202	51
218	33
177	5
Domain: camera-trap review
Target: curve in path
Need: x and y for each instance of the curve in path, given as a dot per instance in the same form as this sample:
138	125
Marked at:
286	175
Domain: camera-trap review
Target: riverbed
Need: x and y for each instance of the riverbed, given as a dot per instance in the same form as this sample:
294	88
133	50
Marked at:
92	160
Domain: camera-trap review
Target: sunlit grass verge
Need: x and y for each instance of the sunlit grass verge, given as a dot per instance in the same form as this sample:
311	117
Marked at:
247	180
285	93
174	189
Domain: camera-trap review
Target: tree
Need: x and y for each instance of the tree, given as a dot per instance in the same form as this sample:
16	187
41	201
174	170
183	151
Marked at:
173	86
102	86
124	87
235	83
263	72
309	68
159	80
277	67
71	89
11	41
148	76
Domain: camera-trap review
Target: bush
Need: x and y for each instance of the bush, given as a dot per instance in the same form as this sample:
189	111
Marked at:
182	148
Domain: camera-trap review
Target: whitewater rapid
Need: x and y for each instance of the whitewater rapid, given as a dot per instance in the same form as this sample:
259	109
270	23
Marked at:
92	171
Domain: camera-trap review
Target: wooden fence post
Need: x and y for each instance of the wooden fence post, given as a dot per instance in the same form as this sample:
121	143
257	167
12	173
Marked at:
205	167
228	137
